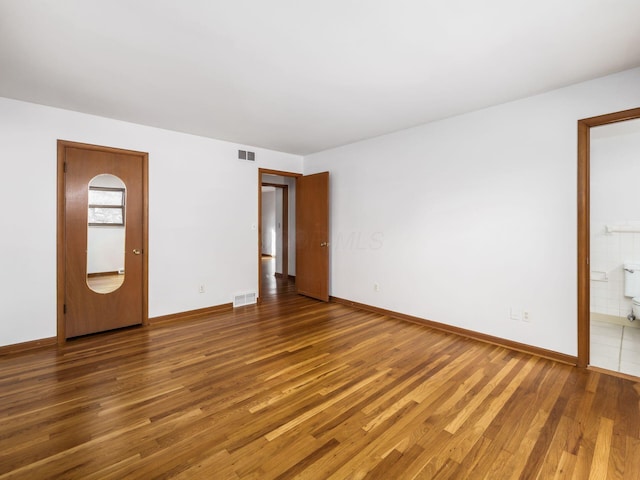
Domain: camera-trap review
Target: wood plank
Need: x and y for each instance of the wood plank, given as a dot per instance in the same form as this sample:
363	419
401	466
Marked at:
295	388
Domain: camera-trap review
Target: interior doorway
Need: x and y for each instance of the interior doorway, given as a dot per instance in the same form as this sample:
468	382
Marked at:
277	233
591	268
308	206
614	256
275	226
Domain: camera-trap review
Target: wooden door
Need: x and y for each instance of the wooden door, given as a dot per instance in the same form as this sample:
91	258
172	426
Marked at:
86	310
312	236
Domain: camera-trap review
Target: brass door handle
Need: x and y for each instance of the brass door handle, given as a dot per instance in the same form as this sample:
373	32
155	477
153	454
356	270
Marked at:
324	244
136	251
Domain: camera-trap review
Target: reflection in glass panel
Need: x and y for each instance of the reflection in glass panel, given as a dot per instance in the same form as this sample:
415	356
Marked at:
105	216
106	196
106	233
106	204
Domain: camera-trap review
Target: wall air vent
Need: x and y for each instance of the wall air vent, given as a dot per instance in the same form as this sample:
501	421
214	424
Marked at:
242	299
245	155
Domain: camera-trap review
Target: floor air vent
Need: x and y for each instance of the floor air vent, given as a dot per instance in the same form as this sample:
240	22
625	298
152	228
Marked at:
241	299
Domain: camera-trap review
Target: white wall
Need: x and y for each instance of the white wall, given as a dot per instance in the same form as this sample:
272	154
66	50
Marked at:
105	249
615	166
268	221
291	183
462	219
278	211
203	210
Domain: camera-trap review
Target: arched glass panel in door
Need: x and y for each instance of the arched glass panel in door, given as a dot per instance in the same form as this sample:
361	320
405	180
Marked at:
106	233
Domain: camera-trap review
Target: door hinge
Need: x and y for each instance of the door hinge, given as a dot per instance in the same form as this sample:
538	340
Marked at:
64	308
64	167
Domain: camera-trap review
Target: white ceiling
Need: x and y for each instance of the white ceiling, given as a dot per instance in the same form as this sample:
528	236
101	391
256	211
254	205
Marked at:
302	76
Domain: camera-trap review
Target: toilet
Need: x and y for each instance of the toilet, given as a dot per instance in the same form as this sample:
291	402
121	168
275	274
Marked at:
632	287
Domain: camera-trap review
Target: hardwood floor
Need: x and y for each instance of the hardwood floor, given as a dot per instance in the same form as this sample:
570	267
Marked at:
272	284
295	388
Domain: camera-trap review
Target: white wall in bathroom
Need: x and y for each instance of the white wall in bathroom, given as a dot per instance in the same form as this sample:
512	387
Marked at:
615	200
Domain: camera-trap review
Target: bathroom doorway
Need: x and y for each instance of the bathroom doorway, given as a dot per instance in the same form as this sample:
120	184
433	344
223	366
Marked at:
609	242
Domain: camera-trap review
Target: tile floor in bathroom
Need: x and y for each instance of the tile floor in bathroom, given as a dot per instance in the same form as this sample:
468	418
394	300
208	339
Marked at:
615	347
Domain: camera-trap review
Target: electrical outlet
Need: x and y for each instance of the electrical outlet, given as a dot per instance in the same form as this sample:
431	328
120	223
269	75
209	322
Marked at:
525	316
376	287
201	289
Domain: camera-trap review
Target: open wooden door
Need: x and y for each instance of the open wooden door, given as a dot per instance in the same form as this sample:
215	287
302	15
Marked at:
312	236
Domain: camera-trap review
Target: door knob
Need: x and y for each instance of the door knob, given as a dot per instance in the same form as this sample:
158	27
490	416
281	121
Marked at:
324	244
136	251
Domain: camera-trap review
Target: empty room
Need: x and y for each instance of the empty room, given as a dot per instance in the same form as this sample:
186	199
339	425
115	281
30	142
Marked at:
320	240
